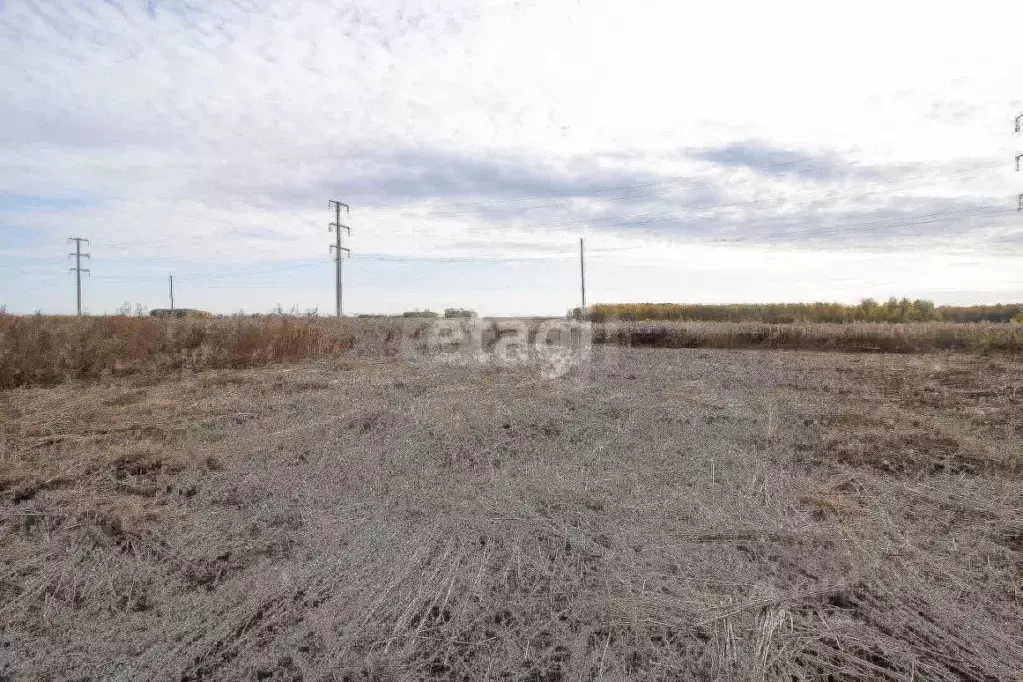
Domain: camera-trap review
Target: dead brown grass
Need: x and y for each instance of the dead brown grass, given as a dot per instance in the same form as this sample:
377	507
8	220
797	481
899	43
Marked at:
46	350
662	514
916	337
828	501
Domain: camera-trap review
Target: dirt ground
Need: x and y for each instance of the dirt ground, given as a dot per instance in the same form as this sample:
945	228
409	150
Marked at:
655	514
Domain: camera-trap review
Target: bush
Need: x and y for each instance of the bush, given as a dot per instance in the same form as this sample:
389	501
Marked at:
459	312
180	312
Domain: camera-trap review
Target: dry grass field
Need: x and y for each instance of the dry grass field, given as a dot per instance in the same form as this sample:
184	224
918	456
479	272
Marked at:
41	350
656	514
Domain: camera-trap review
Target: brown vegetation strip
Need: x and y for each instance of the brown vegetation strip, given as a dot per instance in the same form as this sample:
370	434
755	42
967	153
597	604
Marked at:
45	351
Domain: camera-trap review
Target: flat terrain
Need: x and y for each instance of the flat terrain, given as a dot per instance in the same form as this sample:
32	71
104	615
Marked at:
657	514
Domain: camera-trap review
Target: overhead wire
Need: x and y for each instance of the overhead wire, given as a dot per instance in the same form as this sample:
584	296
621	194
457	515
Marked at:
619	188
836	193
691	186
650	218
857	228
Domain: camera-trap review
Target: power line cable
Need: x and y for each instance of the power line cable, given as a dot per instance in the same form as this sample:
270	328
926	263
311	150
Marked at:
867	227
673	214
621	220
618	188
643	196
740	203
683	220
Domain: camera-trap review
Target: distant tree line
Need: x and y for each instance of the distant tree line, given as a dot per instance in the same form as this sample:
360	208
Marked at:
868	310
448	313
982	313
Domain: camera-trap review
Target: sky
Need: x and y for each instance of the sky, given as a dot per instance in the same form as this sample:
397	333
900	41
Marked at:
706	152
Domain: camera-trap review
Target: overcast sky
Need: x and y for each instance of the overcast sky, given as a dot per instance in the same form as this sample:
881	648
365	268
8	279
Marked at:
707	152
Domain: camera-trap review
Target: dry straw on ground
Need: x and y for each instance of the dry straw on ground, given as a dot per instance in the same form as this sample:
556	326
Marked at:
662	514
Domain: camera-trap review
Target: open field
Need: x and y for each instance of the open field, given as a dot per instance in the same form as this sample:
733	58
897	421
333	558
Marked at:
657	514
49	350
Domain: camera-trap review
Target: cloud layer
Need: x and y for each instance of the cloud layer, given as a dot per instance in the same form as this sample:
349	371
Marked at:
209	136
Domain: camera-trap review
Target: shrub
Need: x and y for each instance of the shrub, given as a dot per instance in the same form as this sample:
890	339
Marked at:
180	312
459	312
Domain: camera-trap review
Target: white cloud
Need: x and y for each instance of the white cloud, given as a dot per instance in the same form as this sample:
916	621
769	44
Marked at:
214	135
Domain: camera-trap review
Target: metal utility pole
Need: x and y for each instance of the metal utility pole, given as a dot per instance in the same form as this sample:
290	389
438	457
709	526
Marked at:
1019	199
171	280
582	276
78	270
337	249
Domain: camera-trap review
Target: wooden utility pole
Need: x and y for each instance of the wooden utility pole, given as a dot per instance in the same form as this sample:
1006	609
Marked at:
171	280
